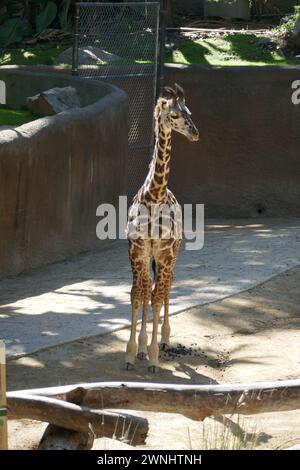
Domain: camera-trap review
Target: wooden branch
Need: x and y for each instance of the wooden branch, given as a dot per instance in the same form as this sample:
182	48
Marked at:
193	401
130	429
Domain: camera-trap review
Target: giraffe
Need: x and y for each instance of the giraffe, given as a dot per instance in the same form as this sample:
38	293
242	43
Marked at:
170	114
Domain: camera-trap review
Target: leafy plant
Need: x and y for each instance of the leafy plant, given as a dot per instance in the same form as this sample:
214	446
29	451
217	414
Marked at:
10	31
33	16
63	14
289	25
46	17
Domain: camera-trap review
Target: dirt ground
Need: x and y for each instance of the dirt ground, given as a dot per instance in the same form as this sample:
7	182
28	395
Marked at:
253	336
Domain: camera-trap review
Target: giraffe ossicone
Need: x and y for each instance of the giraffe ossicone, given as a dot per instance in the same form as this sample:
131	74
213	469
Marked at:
171	113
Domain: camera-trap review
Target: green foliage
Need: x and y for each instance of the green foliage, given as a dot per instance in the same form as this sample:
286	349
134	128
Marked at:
10	31
46	17
3	17
46	13
63	14
290	24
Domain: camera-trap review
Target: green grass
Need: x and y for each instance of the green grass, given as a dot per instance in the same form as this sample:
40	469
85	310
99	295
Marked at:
46	56
42	56
233	433
233	49
15	117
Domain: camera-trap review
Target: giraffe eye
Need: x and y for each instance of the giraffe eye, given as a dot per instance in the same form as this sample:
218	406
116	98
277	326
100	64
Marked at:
174	116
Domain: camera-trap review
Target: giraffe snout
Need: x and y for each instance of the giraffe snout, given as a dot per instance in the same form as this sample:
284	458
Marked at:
194	135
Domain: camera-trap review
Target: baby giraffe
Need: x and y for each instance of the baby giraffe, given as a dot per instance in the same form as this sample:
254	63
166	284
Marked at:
155	243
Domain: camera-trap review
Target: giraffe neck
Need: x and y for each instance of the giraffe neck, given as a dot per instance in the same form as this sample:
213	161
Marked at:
156	183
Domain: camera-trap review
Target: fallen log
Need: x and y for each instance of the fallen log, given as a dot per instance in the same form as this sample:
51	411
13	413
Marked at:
194	401
126	428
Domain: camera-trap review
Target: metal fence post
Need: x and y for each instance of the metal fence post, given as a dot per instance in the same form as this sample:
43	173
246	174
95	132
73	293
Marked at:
75	43
3	408
162	40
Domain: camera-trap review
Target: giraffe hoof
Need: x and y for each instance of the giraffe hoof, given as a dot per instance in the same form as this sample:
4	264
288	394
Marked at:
152	369
164	346
141	356
129	366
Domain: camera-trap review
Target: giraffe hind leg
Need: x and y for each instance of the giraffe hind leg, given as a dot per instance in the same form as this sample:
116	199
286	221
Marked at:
166	329
157	300
143	339
153	348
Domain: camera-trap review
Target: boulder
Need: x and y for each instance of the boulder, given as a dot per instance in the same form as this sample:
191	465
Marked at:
266	44
53	101
89	55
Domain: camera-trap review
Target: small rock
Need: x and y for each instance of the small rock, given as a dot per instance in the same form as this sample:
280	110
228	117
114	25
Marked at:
263	41
53	101
266	44
89	55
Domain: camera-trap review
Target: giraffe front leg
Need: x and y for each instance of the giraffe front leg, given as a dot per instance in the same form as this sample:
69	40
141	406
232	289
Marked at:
131	345
166	329
143	339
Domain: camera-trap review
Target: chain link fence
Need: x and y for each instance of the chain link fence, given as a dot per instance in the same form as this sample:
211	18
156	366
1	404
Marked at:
125	38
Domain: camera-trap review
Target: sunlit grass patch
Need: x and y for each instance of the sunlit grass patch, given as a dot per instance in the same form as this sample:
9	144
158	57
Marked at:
238	49
232	49
15	117
36	56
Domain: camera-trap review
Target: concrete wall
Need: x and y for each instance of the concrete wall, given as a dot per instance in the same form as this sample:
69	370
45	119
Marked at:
187	7
196	7
248	160
55	171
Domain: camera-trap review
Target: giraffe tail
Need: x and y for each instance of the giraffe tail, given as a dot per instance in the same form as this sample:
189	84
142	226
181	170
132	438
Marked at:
154	269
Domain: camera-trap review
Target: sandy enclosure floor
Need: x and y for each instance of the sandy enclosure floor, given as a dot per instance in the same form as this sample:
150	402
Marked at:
89	294
252	336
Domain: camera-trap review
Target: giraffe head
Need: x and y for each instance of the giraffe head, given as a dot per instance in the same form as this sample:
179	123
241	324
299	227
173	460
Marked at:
176	114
